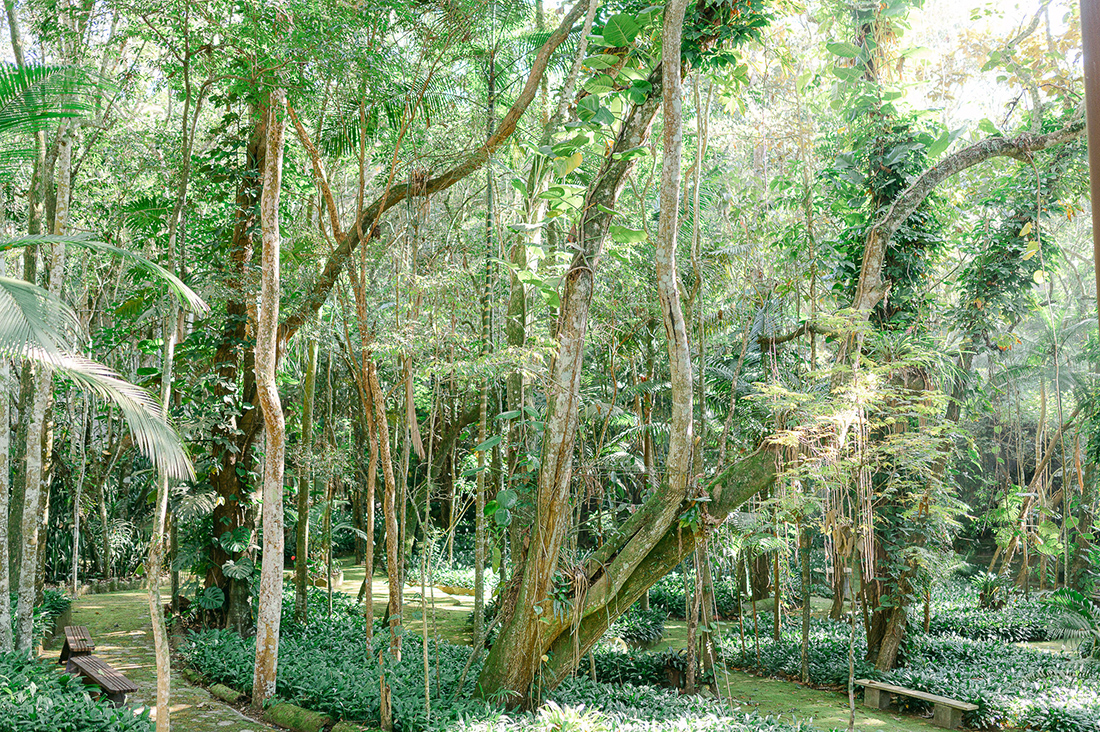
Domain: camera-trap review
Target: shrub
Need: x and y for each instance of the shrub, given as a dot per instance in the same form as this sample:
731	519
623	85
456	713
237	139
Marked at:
54	604
34	698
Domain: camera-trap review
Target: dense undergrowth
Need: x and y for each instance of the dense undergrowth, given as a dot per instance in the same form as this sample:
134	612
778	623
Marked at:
54	603
328	666
35	698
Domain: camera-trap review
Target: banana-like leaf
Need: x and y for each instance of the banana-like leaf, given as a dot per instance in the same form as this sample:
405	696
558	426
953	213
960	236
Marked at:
187	297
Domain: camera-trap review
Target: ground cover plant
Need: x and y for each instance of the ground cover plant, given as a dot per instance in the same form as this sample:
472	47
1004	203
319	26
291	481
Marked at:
956	611
34	697
328	667
1012	685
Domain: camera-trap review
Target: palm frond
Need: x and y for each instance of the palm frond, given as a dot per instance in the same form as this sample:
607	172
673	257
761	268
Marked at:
153	436
187	297
34	96
32	318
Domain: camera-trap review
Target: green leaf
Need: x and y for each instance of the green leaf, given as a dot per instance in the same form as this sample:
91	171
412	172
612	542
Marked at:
507	498
634	152
626	235
601	61
488	444
620	30
599	84
602	117
842	49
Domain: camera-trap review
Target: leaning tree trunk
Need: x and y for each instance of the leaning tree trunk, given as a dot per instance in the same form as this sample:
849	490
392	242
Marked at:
514	657
267	324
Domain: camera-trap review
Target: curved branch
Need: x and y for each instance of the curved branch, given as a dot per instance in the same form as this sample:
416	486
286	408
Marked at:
474	161
871	287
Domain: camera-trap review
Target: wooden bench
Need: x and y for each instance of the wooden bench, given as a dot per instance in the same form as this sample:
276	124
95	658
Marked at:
114	685
948	712
78	642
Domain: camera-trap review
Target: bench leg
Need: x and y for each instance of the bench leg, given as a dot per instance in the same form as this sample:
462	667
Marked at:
947	717
876	698
117	698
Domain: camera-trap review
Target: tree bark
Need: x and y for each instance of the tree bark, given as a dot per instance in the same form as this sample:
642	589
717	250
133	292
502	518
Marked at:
267	323
514	657
305	478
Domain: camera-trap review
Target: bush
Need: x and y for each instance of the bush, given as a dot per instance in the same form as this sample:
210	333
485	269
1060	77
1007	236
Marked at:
53	605
34	698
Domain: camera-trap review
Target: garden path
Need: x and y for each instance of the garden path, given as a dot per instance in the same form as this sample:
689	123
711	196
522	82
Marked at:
119	624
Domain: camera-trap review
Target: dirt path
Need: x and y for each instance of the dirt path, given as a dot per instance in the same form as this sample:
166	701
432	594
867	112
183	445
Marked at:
119	624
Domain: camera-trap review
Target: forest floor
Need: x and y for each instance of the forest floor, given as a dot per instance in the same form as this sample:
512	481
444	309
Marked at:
822	708
119	623
123	634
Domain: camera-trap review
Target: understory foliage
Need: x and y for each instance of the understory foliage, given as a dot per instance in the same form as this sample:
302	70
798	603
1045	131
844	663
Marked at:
35	698
326	666
1011	685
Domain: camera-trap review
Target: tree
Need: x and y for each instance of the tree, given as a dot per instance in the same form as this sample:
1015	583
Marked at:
267	321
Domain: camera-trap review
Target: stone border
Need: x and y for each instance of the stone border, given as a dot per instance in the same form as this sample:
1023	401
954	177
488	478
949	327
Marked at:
282	714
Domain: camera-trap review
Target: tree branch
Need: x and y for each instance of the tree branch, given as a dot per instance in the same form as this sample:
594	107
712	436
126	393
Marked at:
336	261
871	287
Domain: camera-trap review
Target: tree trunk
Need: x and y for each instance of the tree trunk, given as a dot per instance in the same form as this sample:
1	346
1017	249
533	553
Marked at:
6	644
305	457
267	324
233	436
389	509
514	657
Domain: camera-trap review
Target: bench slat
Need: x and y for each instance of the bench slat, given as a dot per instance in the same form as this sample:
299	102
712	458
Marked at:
901	690
78	642
110	678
